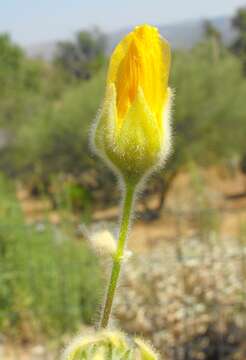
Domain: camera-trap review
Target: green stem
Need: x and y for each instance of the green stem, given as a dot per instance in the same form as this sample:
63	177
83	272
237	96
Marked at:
118	257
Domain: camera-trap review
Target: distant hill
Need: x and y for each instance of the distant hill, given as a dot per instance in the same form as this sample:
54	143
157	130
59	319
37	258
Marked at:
182	35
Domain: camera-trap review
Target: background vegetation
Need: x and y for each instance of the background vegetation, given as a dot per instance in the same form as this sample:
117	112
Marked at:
46	110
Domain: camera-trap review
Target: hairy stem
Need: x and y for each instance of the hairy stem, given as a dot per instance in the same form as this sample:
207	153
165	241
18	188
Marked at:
118	257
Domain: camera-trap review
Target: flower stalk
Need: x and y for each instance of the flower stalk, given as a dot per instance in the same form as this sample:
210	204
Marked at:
132	135
128	201
132	132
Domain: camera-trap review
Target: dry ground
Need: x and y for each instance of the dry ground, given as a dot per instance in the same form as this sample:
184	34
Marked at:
223	194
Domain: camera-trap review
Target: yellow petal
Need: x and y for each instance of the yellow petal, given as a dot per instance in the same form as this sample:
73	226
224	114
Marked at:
142	59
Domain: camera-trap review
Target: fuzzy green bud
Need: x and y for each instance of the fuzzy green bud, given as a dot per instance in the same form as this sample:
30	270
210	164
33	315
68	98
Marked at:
133	132
109	345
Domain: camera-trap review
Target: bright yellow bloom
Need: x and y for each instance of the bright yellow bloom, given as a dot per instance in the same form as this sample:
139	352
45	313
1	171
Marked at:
133	127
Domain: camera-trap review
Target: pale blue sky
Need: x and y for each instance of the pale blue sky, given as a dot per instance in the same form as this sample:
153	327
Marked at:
37	21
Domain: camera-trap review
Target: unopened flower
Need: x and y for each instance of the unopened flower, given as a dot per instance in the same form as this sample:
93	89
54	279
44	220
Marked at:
133	131
109	345
104	242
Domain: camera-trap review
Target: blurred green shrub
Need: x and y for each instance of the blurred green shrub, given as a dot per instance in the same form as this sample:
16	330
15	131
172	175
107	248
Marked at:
75	198
57	141
49	282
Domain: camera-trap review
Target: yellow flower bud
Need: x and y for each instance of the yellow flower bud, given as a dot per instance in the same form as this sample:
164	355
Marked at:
133	131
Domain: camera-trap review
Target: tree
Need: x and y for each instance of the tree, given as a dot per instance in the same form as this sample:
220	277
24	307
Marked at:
213	36
27	89
209	112
84	56
239	45
211	31
239	48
